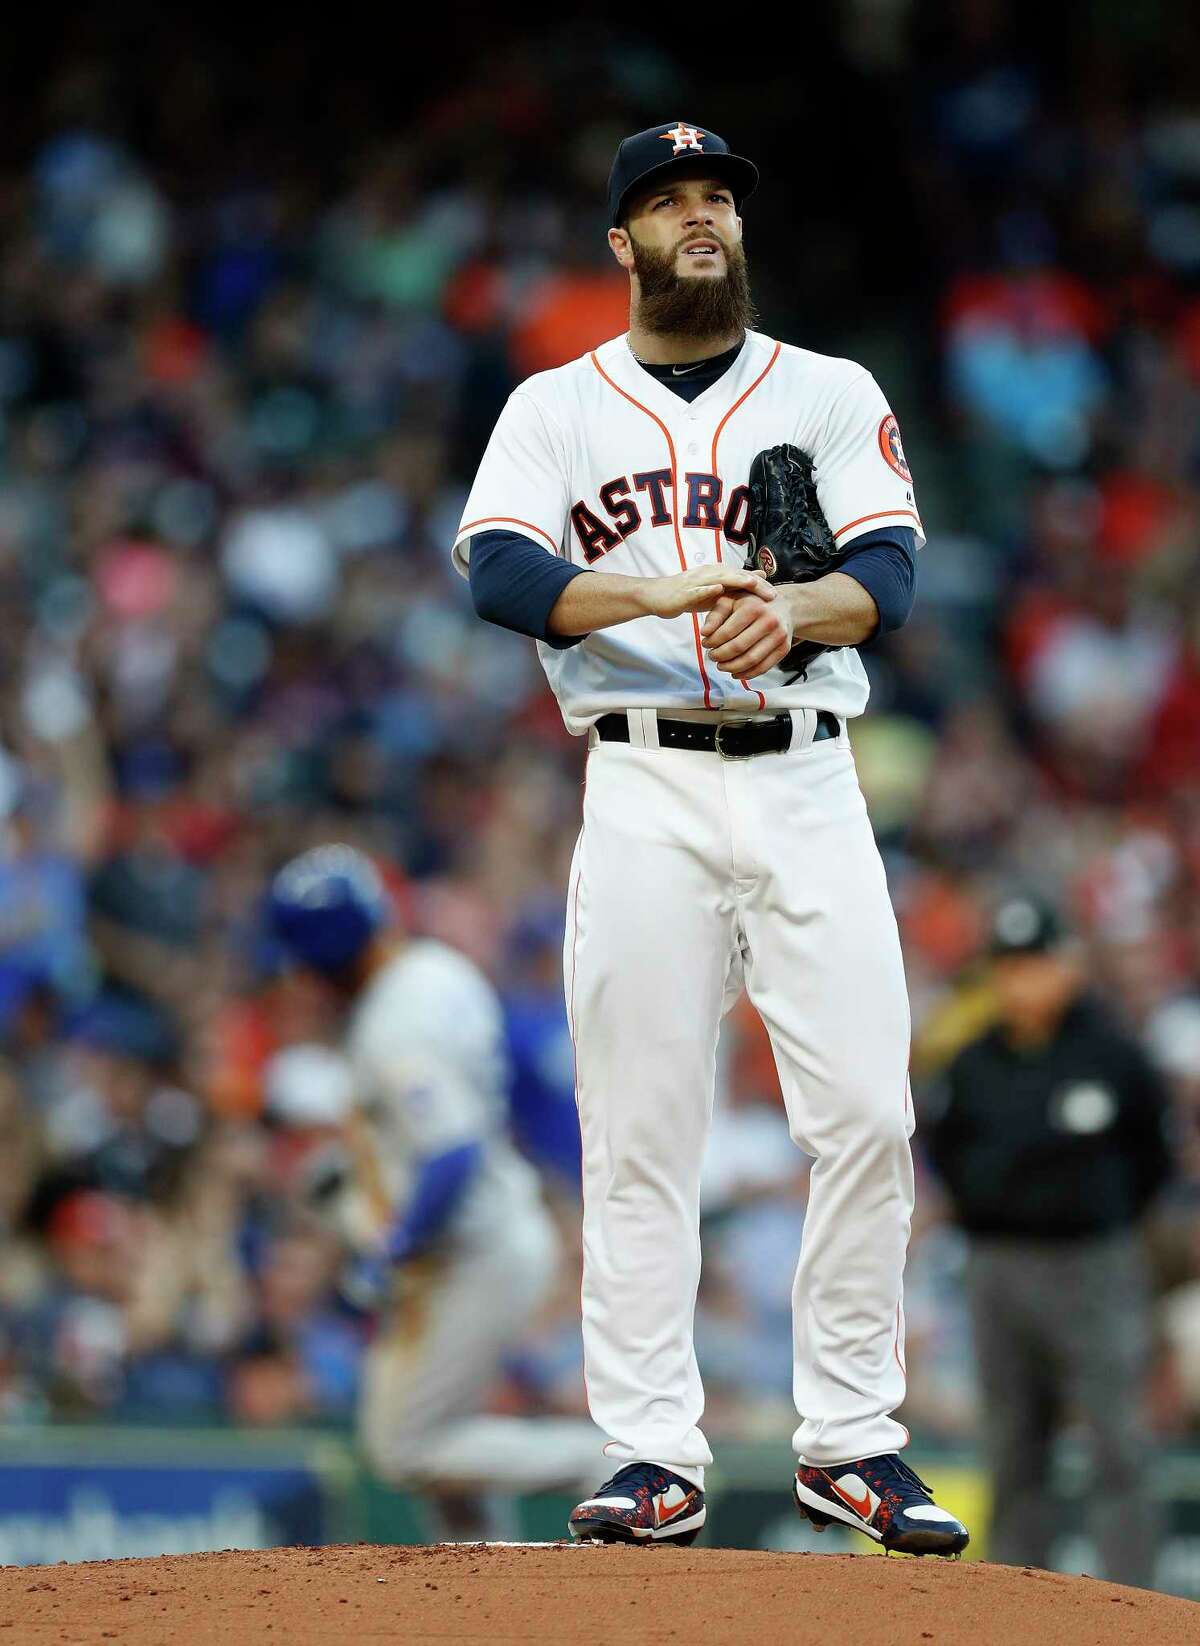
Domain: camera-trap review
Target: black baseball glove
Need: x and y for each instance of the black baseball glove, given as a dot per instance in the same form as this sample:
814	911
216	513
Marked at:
790	539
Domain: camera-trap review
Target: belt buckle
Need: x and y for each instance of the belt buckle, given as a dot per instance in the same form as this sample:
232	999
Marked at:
730	725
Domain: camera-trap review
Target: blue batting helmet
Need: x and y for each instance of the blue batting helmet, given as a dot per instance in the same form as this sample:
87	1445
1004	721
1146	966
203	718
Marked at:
326	905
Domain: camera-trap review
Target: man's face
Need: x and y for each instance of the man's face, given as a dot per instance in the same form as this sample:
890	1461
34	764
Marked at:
692	220
1035	987
682	243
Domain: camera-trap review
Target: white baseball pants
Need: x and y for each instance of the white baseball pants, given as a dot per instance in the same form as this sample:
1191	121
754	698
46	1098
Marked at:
692	871
428	1372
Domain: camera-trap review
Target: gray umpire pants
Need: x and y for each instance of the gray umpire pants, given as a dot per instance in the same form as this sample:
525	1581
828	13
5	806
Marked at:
1062	1333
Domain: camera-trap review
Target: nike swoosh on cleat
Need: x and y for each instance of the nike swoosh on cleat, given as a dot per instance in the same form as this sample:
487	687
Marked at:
861	1506
661	1517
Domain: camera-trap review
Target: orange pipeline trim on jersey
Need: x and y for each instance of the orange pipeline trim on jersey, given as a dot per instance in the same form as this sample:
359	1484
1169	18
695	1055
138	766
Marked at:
625	395
762	702
884	514
505	520
741	401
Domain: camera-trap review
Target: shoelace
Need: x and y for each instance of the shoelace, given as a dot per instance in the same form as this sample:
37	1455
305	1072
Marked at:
633	1474
910	1477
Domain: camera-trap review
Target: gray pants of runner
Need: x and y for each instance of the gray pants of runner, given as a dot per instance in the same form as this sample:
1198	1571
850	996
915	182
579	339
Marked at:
1062	1333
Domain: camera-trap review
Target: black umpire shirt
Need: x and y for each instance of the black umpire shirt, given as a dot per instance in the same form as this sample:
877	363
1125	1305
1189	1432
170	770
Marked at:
1060	1141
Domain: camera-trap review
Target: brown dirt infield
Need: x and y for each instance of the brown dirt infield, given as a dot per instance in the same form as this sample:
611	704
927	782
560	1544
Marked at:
559	1595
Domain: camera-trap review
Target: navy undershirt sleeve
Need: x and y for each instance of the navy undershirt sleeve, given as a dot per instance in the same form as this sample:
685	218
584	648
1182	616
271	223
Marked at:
515	583
885	563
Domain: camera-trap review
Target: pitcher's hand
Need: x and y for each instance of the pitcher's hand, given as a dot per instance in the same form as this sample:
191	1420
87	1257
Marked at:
700	588
746	635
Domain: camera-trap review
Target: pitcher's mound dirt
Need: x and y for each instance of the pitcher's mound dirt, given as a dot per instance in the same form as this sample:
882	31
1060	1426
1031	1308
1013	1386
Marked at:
561	1595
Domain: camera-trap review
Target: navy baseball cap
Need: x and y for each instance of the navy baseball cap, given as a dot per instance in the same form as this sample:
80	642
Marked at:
649	154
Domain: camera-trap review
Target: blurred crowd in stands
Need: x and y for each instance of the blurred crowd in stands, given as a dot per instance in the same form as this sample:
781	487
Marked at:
240	396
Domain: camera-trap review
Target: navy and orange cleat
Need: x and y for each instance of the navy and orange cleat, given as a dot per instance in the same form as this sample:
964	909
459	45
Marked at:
642	1503
882	1497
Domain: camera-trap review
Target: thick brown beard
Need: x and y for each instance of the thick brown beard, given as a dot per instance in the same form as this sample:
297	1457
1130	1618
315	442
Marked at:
677	305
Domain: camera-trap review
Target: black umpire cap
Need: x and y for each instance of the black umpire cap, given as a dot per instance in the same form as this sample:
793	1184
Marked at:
649	154
1024	924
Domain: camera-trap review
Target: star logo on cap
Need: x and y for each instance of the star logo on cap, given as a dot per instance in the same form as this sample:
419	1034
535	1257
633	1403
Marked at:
684	138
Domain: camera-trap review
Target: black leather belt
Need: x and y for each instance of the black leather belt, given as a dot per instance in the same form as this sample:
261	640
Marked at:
735	740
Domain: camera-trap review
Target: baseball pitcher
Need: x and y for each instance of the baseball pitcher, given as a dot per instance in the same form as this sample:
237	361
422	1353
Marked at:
699	524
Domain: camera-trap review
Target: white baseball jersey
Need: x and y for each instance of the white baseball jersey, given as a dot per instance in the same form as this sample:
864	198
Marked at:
602	464
428	1051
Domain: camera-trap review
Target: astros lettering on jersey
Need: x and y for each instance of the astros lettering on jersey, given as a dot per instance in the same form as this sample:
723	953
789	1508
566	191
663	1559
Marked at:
605	466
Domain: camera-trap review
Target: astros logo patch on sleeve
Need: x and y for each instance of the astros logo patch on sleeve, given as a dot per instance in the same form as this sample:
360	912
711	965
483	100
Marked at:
891	447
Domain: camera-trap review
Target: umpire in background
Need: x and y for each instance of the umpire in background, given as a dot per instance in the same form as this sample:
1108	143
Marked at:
1051	1140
